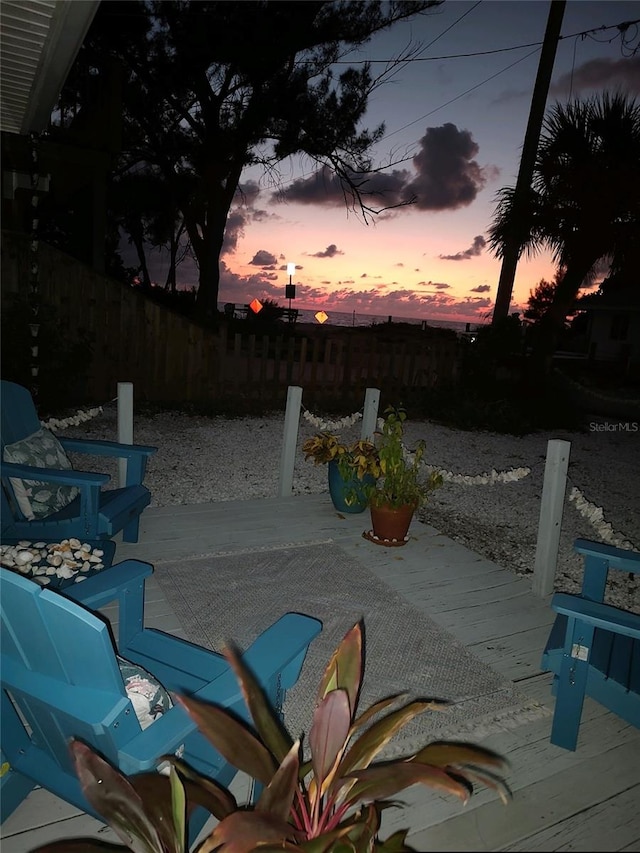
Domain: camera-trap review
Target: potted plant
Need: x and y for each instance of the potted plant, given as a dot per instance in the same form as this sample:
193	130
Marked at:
351	468
330	800
402	486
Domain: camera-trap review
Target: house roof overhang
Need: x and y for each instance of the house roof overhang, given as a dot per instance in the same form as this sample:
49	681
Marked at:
39	41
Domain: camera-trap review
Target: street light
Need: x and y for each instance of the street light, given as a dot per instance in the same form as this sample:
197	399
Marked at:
290	289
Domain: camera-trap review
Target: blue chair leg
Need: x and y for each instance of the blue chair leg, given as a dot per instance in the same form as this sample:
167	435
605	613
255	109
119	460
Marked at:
572	684
130	532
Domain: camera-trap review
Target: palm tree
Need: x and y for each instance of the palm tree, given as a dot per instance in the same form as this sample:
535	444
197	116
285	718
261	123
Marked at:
584	202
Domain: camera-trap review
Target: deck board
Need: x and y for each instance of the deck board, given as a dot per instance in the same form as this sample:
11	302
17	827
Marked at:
562	800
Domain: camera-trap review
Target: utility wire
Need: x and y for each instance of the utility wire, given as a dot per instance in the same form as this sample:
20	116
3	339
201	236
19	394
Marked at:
457	98
620	27
448	29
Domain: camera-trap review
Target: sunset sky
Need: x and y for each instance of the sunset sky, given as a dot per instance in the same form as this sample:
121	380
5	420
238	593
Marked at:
455	123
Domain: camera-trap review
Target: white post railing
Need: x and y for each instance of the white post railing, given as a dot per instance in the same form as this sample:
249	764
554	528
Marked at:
549	526
292	424
370	413
125	425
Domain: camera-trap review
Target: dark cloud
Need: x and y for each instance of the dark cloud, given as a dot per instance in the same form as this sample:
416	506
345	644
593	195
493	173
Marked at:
439	285
330	252
325	188
446	176
236	221
481	288
247	193
623	73
262	258
259	215
473	251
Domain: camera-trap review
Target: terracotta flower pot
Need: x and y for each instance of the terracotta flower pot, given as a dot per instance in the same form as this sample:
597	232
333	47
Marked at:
390	526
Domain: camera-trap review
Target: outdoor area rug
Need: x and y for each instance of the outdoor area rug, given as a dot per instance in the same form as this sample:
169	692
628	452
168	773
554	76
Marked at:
234	597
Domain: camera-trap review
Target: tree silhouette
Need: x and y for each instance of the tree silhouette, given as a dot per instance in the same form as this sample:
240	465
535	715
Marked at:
213	87
584	202
541	298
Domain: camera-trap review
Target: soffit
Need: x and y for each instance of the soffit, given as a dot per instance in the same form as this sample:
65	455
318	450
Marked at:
39	40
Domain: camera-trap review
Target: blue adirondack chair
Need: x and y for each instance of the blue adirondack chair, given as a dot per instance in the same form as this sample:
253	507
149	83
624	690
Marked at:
61	679
95	513
593	648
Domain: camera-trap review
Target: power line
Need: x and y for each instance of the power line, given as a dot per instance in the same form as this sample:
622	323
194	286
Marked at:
450	27
457	97
622	27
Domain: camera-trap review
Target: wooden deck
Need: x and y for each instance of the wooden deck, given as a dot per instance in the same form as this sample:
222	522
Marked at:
587	800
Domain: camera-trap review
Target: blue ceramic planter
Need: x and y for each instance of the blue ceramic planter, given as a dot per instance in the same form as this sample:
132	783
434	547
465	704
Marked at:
347	495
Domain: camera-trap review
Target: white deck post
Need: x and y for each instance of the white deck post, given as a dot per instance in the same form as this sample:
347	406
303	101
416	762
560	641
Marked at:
370	413
290	440
551	507
125	425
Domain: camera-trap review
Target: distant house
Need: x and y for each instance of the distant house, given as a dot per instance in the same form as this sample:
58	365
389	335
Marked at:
613	326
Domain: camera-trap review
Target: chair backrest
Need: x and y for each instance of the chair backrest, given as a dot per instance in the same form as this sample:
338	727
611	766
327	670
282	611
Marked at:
59	668
18	419
18	415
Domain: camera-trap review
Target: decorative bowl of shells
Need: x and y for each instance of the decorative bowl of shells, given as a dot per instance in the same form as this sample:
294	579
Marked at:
57	564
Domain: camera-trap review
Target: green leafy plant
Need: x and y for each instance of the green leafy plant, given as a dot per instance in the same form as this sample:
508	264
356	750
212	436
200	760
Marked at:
359	458
329	802
401	481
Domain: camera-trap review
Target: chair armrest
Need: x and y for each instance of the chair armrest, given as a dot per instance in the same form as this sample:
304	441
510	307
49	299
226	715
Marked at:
281	644
123	582
68	477
135	454
95	447
597	615
145	750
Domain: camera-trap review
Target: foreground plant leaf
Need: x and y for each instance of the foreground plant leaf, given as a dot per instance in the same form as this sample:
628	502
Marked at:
204	791
274	736
277	797
371	742
396	843
443	753
377	708
344	670
178	809
81	845
242	831
115	798
376	783
328	735
231	738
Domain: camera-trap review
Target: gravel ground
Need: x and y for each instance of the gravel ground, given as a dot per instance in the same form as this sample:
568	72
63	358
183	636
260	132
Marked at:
205	459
